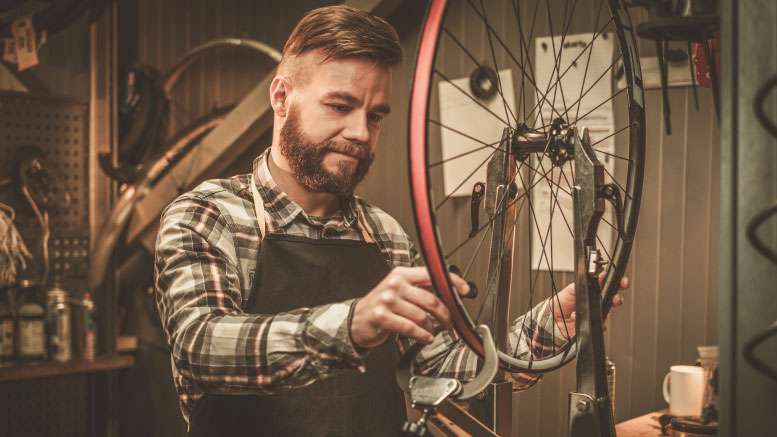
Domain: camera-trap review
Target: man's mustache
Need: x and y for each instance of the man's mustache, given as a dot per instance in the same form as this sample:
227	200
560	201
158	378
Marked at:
353	149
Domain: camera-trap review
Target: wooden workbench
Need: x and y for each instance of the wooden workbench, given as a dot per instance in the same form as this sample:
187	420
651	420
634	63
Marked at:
642	426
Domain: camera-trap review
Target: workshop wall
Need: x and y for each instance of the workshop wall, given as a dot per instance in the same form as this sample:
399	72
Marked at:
670	309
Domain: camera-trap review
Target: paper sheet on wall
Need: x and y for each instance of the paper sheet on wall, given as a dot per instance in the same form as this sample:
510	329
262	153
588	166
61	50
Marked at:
575	82
460	112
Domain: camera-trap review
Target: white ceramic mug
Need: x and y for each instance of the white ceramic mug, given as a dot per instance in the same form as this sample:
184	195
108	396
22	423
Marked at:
686	384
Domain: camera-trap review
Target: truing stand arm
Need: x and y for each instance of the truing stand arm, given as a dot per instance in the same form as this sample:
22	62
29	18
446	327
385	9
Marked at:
590	410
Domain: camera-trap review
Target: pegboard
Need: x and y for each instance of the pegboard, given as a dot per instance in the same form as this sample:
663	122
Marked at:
59	128
52	407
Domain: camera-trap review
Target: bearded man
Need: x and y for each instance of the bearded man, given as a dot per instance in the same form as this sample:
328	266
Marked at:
282	295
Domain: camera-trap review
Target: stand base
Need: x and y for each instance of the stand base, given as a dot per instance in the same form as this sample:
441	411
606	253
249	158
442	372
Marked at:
494	409
585	414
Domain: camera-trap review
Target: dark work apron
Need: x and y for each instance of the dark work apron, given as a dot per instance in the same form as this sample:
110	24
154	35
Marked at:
294	272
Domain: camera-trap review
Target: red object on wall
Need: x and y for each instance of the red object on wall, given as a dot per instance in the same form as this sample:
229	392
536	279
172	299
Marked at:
702	65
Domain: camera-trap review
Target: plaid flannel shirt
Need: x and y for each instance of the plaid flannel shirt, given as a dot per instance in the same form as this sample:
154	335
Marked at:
206	251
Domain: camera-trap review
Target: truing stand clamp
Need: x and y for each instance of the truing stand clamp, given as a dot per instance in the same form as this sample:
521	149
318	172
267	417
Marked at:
590	407
428	392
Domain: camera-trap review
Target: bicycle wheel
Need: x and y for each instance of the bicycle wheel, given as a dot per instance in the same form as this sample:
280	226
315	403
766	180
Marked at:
521	70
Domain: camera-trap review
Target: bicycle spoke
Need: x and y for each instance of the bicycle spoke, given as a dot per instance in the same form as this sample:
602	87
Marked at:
588	61
498	85
557	61
496	214
613	155
438	163
612	135
545	177
592	87
474	256
456	131
587	47
445	78
628	196
463	182
490	30
496	66
600	105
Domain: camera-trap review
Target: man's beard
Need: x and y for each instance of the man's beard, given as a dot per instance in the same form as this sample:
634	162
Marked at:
306	160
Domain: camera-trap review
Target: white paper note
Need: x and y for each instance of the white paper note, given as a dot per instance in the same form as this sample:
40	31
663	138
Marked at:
458	111
582	91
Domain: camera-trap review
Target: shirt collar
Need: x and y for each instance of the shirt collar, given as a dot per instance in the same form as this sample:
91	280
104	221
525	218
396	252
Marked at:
283	210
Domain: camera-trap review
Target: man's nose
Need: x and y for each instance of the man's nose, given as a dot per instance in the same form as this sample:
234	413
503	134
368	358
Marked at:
357	129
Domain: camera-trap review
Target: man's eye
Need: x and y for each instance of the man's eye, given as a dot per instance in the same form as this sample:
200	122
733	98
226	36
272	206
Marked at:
375	118
340	108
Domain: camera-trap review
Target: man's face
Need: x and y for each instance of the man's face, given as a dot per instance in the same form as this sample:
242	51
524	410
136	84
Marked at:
331	130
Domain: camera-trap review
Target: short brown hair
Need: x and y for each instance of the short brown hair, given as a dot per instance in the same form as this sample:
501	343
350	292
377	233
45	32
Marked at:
344	32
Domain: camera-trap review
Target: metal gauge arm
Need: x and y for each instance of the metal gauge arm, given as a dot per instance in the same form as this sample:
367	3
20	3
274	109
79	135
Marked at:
590	409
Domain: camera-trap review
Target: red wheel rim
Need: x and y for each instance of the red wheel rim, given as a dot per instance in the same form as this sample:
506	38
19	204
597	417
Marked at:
419	183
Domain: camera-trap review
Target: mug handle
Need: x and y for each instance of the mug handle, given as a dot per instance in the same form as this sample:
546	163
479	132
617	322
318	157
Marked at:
666	387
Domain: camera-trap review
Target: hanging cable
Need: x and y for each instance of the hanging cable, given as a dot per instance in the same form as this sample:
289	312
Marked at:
12	248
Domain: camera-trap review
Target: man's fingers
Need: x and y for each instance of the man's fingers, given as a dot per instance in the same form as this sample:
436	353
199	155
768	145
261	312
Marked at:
414	275
617	300
419	276
408	328
427	302
461	285
409	311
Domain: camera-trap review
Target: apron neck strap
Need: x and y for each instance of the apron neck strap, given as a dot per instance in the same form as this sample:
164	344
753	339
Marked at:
259	209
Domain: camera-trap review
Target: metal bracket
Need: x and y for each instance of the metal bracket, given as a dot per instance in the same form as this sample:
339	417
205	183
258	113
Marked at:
429	392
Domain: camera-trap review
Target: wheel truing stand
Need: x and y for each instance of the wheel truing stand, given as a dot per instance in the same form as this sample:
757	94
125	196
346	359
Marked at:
590	409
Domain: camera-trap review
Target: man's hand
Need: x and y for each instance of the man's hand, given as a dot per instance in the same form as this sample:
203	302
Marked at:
564	306
401	303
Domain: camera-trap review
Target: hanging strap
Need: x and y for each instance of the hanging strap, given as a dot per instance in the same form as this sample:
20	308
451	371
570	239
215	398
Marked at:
259	209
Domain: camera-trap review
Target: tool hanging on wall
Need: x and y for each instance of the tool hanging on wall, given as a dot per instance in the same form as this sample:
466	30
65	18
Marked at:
694	21
37	184
144	113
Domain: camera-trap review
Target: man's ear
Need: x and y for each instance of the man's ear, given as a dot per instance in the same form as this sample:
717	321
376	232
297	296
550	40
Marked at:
280	90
